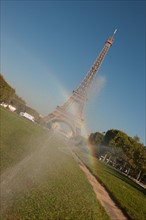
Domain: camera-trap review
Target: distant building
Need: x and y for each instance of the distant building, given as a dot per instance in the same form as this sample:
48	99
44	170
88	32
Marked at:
28	116
12	108
5	105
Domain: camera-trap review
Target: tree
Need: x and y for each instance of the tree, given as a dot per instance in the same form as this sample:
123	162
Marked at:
19	103
128	149
139	158
6	91
95	139
136	138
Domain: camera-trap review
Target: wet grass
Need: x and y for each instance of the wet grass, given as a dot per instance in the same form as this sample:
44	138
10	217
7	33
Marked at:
128	195
40	179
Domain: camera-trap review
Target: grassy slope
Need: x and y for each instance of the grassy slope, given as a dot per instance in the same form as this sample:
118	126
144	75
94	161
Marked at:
42	180
128	194
18	137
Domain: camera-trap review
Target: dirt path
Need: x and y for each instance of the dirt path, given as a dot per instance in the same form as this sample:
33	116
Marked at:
112	210
102	195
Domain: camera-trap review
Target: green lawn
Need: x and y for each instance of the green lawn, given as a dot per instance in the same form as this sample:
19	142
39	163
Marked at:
39	177
19	137
129	195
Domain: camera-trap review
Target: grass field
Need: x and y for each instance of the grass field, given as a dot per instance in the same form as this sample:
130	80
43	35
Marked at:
18	138
39	177
130	196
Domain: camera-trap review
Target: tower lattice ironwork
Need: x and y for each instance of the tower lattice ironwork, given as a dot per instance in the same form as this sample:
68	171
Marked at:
71	112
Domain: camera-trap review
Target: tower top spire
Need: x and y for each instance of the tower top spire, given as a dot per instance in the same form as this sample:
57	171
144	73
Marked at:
115	32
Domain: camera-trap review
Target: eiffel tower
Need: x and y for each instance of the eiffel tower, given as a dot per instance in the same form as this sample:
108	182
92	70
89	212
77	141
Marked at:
68	118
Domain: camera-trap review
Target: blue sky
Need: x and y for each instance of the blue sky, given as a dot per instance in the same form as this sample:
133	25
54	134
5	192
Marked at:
47	47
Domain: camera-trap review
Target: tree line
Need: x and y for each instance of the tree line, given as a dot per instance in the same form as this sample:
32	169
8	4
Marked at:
121	151
8	95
